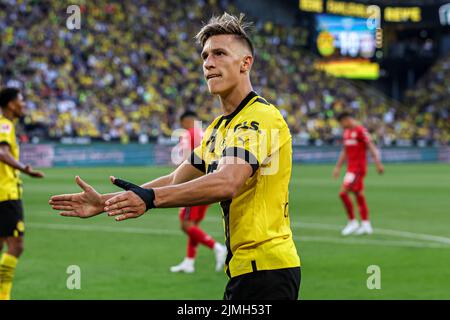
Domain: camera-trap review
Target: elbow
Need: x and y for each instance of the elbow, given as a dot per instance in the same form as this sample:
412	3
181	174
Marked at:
228	193
228	188
224	189
171	179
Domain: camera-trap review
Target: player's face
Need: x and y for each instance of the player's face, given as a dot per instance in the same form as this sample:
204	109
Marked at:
18	106
347	123
223	59
187	123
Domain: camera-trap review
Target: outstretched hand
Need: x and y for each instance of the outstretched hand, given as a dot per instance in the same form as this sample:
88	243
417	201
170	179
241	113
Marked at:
127	205
33	173
82	205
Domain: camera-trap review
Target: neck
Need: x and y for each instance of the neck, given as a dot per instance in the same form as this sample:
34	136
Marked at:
229	101
8	114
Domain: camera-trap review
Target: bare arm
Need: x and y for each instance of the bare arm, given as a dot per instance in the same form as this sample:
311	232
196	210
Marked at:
221	185
7	158
340	162
375	156
89	202
218	186
184	172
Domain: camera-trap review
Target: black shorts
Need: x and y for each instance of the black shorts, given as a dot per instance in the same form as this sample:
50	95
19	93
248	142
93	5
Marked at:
279	284
11	219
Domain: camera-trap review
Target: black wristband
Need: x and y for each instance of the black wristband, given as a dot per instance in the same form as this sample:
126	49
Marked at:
147	195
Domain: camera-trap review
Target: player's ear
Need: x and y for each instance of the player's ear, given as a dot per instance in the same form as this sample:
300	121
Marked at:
246	63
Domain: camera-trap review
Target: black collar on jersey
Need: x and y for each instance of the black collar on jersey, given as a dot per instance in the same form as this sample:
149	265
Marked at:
241	106
230	117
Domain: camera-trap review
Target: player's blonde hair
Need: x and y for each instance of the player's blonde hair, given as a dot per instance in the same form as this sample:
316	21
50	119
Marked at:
226	24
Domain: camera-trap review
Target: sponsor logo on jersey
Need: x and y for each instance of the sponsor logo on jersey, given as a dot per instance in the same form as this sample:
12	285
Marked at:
254	125
5	128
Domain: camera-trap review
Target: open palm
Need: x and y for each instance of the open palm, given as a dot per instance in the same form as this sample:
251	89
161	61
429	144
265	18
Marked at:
83	205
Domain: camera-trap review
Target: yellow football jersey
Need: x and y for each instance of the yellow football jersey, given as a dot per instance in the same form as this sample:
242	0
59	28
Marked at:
256	221
10	184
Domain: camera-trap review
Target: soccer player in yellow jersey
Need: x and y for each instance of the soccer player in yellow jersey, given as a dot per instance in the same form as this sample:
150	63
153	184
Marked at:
11	210
243	162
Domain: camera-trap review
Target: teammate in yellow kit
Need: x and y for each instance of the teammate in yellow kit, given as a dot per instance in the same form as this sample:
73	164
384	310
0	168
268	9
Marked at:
11	211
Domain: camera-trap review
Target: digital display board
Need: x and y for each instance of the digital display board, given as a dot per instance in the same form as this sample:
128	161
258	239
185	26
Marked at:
345	36
347	46
350	68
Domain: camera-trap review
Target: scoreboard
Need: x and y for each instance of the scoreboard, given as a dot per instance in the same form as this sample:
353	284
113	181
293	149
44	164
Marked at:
345	36
430	13
347	45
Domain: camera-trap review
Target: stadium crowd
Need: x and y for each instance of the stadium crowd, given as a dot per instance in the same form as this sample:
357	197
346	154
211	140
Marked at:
428	102
132	68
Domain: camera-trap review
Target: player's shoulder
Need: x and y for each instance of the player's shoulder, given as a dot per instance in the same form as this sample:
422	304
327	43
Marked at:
361	128
192	131
210	129
262	110
363	133
262	106
6	126
198	130
216	121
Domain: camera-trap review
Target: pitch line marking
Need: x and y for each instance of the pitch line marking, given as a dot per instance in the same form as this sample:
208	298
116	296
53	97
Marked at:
152	231
389	232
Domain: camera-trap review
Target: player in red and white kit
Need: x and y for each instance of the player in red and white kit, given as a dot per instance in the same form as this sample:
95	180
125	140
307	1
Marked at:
356	141
191	217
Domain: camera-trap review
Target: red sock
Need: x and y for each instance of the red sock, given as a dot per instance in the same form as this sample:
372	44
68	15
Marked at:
191	248
347	204
200	236
362	205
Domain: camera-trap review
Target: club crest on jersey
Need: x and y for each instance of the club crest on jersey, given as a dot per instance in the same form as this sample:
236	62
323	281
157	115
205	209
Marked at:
5	128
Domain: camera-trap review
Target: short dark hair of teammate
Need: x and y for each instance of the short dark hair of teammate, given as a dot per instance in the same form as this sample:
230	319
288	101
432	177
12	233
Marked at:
7	95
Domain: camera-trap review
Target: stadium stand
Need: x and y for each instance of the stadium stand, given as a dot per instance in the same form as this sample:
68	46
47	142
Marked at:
132	69
429	110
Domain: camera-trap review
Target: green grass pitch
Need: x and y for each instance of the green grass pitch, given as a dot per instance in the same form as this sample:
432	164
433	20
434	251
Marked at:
409	206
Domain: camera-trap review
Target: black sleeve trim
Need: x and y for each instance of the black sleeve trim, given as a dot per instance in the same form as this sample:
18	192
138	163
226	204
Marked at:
242	154
4	143
197	162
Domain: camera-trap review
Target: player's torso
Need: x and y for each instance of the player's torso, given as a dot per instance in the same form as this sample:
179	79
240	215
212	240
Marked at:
256	221
10	184
355	149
